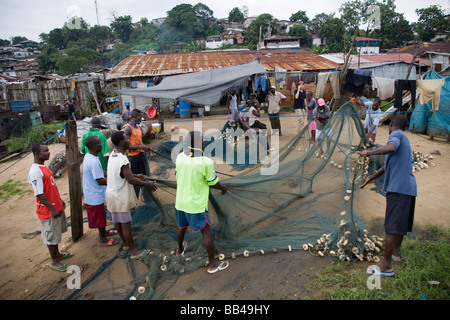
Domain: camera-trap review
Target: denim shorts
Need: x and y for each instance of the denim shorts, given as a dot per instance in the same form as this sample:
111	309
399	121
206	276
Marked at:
197	221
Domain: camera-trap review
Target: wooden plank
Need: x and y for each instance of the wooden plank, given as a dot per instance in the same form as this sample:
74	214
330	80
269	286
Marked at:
73	152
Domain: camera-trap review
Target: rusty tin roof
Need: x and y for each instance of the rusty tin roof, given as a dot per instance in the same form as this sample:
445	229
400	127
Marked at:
178	63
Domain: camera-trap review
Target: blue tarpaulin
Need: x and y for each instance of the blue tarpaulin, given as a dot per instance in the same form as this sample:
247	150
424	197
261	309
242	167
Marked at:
435	123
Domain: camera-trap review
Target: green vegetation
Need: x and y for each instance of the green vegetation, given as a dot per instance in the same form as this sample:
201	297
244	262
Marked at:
11	188
32	135
77	47
421	274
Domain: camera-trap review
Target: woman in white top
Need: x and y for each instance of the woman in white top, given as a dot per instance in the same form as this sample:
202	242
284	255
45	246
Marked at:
120	196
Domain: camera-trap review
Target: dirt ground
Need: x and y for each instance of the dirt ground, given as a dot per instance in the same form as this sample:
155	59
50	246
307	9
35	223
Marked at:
24	272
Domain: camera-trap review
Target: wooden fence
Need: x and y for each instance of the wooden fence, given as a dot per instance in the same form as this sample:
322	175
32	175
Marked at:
52	92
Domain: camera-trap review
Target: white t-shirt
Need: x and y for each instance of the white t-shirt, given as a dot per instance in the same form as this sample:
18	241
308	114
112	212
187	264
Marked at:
120	195
94	194
252	117
372	117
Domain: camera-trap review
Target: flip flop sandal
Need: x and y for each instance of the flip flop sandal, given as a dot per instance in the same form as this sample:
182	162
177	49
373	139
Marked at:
220	267
377	272
142	253
111	232
396	259
61	268
66	255
111	242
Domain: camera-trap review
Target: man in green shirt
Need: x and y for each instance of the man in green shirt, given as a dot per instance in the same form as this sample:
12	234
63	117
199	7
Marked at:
95	131
195	174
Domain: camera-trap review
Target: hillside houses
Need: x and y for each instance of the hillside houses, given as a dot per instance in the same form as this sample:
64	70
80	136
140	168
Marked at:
18	61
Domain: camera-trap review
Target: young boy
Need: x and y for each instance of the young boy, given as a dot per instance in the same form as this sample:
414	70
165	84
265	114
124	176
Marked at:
94	187
120	196
50	207
195	174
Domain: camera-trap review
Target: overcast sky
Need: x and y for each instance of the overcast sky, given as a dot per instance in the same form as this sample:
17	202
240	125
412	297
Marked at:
29	18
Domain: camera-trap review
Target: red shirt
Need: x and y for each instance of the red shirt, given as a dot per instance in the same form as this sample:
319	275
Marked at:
42	182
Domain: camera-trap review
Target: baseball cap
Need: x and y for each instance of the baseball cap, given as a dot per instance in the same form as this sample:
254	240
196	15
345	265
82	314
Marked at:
320	102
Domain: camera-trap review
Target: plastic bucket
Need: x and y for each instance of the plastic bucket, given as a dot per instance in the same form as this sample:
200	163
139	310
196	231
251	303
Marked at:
151	112
244	114
201	112
185	109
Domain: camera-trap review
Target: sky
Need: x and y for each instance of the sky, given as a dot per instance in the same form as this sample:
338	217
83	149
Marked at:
29	18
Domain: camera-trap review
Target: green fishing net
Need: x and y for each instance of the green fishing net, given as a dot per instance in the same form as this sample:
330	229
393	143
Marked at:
302	196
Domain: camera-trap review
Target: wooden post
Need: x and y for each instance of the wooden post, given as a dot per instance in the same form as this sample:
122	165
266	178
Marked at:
73	154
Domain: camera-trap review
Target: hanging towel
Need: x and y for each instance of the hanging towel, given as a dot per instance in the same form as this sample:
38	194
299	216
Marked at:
409	85
430	89
322	79
334	79
385	87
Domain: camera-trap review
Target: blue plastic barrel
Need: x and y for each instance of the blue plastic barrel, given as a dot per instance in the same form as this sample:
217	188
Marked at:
185	109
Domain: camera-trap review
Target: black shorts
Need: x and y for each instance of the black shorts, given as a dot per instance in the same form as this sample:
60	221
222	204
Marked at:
399	213
137	164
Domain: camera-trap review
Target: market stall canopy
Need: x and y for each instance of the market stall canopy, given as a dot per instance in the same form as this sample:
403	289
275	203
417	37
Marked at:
202	87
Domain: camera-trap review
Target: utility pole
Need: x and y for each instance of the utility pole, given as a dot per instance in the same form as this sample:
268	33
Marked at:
96	11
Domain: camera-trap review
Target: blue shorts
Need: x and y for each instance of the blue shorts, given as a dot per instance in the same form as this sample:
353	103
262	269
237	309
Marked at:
197	221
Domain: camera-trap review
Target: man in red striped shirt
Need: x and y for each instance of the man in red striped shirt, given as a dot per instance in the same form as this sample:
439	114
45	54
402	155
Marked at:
49	205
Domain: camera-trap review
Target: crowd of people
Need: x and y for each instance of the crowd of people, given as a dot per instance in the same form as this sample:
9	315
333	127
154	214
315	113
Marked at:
113	179
111	183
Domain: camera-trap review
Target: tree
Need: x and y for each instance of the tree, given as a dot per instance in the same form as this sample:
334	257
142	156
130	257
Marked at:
204	15
18	39
264	21
122	27
318	21
299	30
300	16
167	38
118	53
431	20
75	29
333	30
395	29
236	15
46	59
55	38
76	58
354	13
183	18
214	29
101	34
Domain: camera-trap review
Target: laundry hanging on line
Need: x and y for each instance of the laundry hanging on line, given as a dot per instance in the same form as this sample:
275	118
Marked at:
323	78
355	82
385	87
430	89
402	85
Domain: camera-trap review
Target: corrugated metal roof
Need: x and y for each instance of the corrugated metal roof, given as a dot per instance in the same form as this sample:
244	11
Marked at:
405	57
178	63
